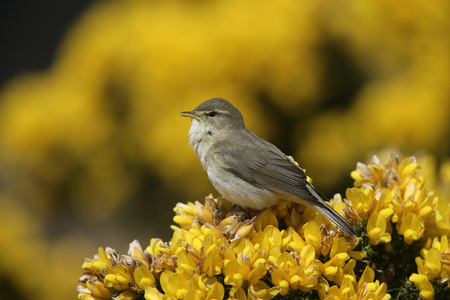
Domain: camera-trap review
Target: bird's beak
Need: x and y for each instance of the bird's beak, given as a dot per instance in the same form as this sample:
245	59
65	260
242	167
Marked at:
190	114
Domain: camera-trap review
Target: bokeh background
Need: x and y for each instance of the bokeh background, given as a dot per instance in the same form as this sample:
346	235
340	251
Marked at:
93	151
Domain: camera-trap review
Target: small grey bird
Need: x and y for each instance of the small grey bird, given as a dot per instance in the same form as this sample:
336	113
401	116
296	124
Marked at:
246	169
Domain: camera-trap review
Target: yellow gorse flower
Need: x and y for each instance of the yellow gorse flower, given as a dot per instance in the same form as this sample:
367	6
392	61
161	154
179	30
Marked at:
365	289
433	264
404	199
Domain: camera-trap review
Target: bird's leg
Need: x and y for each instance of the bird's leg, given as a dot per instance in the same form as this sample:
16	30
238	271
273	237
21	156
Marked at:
234	208
237	211
258	214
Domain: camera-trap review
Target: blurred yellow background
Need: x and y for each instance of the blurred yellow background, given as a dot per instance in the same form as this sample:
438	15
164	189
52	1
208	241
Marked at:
93	151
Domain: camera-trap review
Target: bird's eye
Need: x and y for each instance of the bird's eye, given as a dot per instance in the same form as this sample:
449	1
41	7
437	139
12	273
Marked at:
211	114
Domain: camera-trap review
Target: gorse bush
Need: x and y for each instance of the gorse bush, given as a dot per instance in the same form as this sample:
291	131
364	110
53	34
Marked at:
291	251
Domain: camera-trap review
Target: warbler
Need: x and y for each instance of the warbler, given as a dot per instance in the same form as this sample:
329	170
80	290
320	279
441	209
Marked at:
246	169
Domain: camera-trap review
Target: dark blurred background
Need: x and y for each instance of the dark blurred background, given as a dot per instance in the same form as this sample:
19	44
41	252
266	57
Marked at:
93	152
31	32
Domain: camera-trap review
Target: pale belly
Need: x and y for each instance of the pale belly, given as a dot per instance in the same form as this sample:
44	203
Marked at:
238	191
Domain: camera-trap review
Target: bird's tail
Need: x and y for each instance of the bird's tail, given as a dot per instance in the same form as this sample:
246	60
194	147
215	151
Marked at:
323	208
336	218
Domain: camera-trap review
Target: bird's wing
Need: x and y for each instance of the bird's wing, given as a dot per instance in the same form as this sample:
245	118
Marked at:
282	175
273	170
269	168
